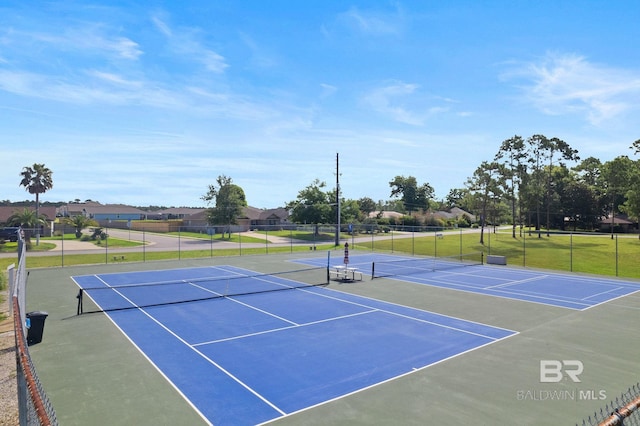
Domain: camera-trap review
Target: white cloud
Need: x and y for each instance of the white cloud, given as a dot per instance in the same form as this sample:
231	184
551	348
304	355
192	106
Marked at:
161	26
213	61
124	47
185	42
402	102
373	22
327	90
570	84
90	39
115	79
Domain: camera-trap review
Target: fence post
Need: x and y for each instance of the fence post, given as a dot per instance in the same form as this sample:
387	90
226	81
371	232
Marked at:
62	246
571	252
524	249
413	241
616	255
106	249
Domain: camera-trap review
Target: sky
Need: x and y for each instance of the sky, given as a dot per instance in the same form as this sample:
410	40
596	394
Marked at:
148	102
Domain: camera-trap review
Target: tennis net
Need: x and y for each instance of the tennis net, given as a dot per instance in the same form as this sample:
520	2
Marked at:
412	266
234	282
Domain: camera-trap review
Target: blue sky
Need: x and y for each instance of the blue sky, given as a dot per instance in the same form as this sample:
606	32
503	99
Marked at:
149	102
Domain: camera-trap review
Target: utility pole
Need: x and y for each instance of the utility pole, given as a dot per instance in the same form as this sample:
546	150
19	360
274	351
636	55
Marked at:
338	198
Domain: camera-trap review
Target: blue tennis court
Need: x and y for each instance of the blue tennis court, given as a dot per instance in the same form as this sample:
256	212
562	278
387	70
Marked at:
563	290
253	358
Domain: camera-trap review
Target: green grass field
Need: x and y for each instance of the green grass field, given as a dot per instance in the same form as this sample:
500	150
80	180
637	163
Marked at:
582	253
592	254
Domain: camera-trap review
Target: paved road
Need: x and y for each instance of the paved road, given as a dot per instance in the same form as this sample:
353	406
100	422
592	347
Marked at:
154	242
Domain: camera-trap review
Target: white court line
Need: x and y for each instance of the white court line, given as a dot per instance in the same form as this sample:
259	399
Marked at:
272	330
511	295
602	292
510	283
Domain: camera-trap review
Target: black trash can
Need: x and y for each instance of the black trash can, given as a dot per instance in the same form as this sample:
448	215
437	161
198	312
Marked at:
36	326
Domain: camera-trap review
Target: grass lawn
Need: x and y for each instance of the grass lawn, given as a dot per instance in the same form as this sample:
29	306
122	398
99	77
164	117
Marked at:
581	253
300	235
235	237
592	253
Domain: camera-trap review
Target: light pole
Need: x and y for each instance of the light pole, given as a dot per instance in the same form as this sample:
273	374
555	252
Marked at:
337	243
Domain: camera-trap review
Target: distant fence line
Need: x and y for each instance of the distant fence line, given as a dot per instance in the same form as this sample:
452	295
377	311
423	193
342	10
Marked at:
598	253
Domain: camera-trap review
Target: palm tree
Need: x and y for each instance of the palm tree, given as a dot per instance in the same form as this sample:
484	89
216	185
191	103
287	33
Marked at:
37	180
80	222
25	218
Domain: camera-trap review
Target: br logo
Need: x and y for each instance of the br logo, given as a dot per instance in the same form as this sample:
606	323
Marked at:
553	370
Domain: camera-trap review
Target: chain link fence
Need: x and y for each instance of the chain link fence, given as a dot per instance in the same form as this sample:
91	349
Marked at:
594	253
623	411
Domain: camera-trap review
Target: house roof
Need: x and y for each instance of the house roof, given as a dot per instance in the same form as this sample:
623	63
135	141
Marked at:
7	211
93	208
455	212
181	211
385	214
254	213
618	219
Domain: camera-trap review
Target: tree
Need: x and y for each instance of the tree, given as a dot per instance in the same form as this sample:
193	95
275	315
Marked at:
616	176
313	204
562	148
366	206
589	171
80	222
37	180
513	150
542	154
26	218
413	197
632	205
485	183
581	204
229	202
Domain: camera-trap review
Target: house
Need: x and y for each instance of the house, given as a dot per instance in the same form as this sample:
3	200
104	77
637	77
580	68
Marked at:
47	211
454	214
254	218
385	215
102	212
621	223
184	213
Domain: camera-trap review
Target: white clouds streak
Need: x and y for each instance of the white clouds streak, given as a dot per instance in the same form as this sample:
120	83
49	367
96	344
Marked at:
569	84
372	22
186	44
89	40
402	102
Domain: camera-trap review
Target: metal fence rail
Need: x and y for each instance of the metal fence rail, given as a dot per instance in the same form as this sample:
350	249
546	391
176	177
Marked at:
33	404
593	252
623	411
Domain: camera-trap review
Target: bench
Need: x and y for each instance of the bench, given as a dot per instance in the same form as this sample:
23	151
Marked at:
345	273
496	260
116	258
